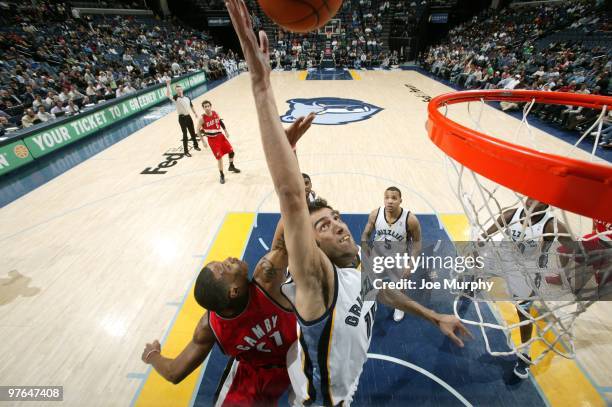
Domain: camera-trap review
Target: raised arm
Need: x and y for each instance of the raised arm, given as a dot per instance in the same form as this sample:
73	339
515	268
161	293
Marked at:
168	91
194	354
307	264
270	271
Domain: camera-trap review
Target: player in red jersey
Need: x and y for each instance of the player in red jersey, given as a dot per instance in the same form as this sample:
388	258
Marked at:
210	126
595	255
250	320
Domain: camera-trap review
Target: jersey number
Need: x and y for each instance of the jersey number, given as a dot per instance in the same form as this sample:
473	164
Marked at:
369	320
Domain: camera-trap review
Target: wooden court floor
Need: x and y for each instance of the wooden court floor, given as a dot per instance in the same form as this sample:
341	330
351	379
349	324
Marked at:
95	262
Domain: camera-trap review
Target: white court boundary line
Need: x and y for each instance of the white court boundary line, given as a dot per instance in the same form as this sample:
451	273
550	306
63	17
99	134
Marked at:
424	372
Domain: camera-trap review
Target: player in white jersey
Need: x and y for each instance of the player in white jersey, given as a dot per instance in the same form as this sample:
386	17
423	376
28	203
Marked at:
534	228
327	360
322	256
391	223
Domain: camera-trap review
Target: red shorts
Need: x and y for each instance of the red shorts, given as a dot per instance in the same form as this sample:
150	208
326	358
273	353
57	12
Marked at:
242	385
220	146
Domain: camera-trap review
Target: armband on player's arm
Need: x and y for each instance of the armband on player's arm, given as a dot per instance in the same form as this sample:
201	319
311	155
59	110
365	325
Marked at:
221	124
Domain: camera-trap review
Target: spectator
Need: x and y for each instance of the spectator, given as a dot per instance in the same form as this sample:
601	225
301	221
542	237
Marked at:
120	91
37	102
74	93
127	89
71	108
43	115
63	95
58	108
29	118
50	99
28	97
91	90
4	124
176	69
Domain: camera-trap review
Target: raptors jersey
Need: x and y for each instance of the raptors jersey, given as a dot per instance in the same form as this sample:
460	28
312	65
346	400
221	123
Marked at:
391	232
326	361
603	229
260	335
211	125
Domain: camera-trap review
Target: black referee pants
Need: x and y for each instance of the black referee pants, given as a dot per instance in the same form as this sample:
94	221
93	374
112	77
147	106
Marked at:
187	124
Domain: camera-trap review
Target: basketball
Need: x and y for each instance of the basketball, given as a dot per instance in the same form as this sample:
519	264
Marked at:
300	15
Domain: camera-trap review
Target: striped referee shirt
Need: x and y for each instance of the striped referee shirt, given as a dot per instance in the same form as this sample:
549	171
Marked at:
183	105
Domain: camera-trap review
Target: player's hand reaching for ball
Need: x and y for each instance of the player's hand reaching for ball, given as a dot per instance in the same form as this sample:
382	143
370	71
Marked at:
150	349
257	56
298	128
453	328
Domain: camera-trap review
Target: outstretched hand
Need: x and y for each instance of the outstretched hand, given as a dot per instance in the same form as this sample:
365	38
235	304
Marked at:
257	56
453	328
298	128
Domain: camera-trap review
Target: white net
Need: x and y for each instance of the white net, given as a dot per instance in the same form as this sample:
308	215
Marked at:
550	264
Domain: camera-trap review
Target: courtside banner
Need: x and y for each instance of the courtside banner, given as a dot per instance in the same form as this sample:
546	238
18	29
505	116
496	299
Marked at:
13	156
85	124
48	139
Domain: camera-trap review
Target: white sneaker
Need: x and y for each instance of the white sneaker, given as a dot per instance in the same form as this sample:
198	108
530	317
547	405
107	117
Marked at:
398	315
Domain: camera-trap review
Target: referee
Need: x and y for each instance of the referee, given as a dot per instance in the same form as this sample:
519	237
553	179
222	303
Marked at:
183	103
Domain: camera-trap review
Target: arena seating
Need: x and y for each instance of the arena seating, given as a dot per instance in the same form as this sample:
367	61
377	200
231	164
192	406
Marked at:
48	54
550	46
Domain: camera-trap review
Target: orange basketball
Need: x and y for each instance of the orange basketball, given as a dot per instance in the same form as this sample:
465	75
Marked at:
300	15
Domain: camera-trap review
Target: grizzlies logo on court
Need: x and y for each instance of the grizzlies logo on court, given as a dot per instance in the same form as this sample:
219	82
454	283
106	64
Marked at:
330	110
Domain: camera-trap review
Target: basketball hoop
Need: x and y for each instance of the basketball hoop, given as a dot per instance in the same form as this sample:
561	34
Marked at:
493	174
560	181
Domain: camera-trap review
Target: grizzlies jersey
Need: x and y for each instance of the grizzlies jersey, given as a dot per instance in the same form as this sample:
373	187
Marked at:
527	256
327	359
391	232
529	236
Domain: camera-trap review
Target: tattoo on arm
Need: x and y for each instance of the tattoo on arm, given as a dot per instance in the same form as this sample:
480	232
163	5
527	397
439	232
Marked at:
279	244
269	270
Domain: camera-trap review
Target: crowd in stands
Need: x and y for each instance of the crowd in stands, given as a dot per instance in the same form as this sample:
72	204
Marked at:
406	15
356	43
54	64
505	50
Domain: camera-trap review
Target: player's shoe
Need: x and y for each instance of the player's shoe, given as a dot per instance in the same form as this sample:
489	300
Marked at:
187	155
521	369
197	148
222	179
398	315
233	169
